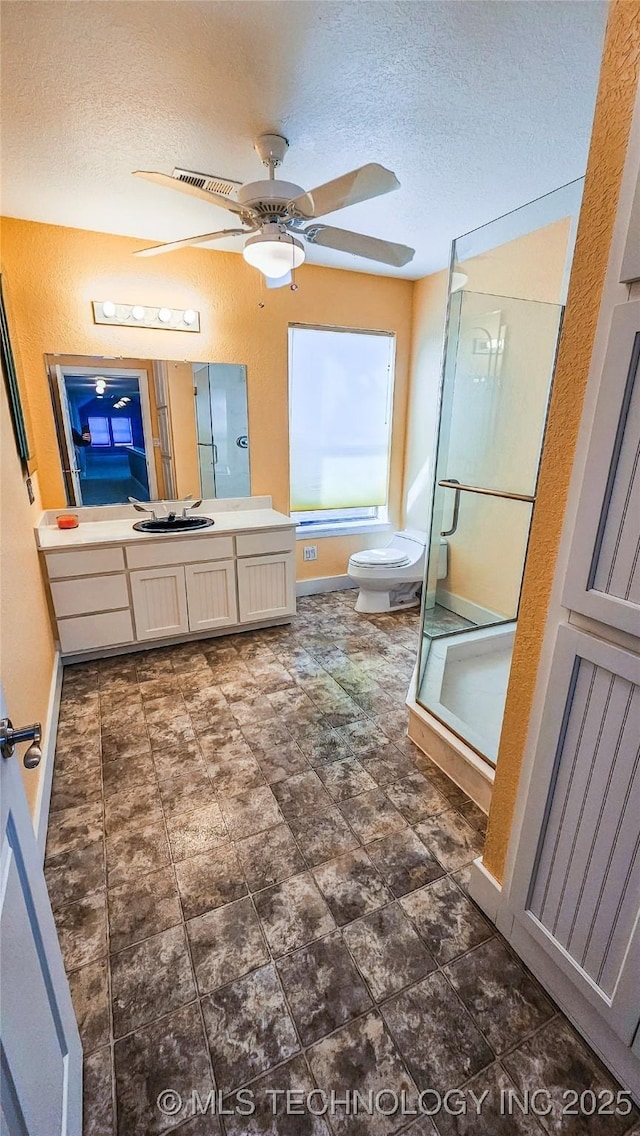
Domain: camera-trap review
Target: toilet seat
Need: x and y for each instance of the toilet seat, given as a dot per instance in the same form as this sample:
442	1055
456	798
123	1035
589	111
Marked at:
380	557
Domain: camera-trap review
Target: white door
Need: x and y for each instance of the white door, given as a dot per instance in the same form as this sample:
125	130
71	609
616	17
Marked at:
41	1067
211	594
72	472
165	434
159	602
266	587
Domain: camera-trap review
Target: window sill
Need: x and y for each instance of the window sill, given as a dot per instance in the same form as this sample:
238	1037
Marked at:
342	528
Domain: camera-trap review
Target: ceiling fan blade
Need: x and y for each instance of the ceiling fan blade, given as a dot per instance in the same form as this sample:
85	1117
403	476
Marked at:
279	281
193	191
358	185
372	248
189	241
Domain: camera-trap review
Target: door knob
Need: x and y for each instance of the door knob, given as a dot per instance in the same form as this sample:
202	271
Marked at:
10	738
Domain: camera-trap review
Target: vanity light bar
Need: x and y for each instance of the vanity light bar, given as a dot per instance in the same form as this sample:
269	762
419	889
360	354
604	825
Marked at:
137	315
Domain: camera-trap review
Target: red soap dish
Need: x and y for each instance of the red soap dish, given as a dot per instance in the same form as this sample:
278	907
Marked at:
67	521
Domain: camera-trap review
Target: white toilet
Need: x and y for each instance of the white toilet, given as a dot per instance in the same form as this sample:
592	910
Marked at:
390	578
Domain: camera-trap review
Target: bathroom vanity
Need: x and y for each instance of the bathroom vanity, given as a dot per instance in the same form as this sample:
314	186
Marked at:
114	588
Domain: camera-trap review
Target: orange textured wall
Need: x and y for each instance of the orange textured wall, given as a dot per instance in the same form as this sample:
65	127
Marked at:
614	109
52	273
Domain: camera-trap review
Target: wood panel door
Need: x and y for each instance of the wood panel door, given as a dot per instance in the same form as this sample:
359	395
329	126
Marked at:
159	602
266	587
211	594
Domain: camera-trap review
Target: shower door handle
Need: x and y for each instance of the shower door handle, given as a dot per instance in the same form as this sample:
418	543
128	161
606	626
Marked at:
456	507
453	483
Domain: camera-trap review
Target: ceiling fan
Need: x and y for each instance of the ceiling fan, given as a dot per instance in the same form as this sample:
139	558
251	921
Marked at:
277	216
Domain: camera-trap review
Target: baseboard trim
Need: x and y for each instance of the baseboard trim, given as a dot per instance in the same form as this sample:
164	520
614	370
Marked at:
485	889
43	797
466	608
324	584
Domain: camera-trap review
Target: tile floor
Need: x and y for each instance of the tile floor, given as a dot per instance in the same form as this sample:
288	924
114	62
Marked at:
259	881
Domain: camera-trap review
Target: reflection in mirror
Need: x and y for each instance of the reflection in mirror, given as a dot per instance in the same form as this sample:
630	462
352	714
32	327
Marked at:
150	429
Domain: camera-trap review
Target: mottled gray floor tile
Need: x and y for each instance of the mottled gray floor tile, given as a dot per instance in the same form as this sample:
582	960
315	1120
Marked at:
301	794
323	836
364	738
388	767
345	779
372	816
74	828
265	736
323	987
493	1116
163	686
150	979
210	880
271	1116
70	875
249	1029
141	907
502	999
177	760
423	1126
475	816
448	921
235	772
285	760
321	745
125	773
450	838
69	790
269	857
293	913
556	1060
403	861
190	788
170	732
126	811
90	995
249	812
82	930
251	710
436	1036
415	797
225	944
97	1089
351	886
136	852
362	1056
170	1054
194	831
388	951
130	745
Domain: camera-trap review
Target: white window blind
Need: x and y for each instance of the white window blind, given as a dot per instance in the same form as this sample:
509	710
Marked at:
340	397
99	429
121	431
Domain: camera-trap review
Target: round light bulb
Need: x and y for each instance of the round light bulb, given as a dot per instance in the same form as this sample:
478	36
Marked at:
138	312
189	316
108	309
164	315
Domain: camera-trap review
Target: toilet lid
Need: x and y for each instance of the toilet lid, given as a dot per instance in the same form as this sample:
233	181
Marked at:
380	557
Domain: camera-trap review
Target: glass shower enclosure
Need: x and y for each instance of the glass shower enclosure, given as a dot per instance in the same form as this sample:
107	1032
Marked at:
506	295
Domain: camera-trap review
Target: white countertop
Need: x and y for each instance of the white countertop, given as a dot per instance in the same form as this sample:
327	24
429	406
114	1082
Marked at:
121	531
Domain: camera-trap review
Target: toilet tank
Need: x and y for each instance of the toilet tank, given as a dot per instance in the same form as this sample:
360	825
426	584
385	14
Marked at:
409	540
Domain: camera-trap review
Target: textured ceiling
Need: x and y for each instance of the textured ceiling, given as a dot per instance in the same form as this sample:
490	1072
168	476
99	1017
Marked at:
477	106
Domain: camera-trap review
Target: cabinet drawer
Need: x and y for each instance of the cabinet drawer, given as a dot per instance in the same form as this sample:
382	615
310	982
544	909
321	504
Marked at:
87	562
174	551
257	544
86	632
89	594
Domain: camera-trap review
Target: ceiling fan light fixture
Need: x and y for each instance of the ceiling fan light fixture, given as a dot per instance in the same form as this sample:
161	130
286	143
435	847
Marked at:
273	252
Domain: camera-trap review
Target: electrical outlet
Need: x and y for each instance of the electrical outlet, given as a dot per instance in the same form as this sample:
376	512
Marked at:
310	552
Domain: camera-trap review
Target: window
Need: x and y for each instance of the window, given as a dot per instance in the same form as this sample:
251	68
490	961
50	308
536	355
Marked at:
340	395
99	428
121	431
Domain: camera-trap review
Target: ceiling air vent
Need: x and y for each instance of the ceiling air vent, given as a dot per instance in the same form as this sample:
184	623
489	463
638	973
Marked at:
208	182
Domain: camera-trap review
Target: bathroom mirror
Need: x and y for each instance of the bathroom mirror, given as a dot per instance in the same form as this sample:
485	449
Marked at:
154	429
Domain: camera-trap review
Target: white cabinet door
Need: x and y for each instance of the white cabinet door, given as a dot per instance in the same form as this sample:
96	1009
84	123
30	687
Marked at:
266	587
159	602
211	594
